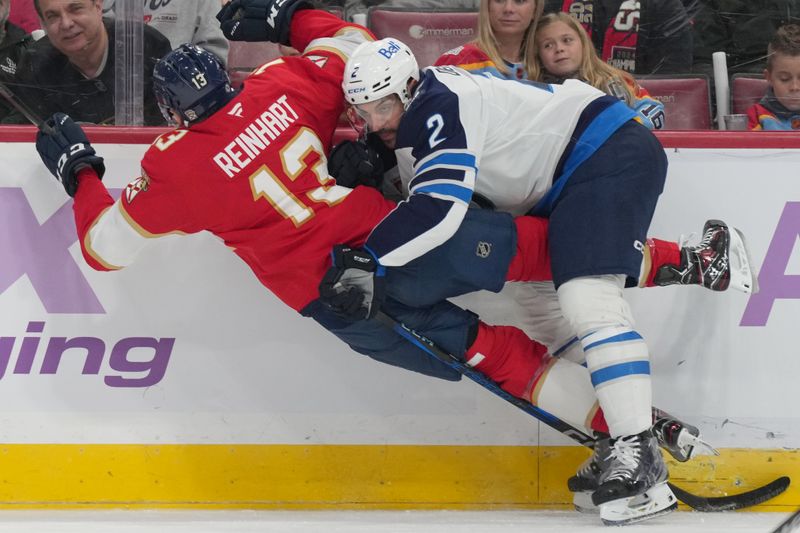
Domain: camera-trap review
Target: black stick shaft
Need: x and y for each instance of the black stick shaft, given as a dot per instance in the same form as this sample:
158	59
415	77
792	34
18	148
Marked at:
23	108
790	525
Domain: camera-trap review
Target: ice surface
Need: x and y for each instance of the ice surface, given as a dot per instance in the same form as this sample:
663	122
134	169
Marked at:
369	521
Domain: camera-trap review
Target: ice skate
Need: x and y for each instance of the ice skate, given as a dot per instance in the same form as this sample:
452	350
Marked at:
634	486
680	439
719	261
587	479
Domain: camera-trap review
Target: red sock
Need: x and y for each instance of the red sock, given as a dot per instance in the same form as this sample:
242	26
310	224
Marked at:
532	260
599	422
507	356
661	253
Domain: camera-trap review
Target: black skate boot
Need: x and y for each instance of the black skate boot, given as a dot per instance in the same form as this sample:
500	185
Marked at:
680	439
634	486
719	261
587	479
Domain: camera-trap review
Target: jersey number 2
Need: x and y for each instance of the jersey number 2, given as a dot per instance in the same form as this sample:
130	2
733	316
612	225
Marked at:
436	123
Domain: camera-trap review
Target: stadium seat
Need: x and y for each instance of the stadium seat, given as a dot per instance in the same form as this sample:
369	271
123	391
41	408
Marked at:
746	90
243	57
686	99
336	10
427	33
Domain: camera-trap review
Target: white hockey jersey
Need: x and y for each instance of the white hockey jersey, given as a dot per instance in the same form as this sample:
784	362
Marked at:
513	142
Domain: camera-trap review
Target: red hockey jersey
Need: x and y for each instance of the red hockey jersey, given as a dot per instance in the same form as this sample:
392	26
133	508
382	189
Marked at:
254	174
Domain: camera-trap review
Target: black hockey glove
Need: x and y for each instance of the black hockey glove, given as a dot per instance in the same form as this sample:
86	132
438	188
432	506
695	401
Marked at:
67	150
355	286
354	163
259	20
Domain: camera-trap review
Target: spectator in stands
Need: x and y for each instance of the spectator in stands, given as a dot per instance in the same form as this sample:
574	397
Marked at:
565	52
23	14
509	45
780	107
354	7
640	37
741	28
72	69
13	43
184	21
504	47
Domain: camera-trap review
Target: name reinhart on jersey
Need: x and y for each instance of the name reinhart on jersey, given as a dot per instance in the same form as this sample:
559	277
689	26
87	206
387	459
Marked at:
256	137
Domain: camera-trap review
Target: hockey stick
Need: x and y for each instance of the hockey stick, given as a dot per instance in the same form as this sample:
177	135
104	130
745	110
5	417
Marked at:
790	525
698	503
23	108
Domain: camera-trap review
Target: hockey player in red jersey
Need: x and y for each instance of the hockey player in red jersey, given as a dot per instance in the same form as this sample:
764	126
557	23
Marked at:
251	169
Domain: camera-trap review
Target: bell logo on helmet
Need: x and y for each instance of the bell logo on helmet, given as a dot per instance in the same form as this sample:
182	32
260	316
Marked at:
391	49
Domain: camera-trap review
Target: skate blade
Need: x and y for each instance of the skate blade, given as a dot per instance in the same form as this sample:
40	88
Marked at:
658	500
742	276
583	503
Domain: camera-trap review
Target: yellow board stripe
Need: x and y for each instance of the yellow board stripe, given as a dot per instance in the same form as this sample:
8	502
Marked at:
342	476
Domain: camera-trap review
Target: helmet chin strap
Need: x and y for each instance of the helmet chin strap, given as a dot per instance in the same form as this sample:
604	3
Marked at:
411	89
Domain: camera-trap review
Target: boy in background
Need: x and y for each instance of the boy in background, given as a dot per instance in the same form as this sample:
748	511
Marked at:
780	107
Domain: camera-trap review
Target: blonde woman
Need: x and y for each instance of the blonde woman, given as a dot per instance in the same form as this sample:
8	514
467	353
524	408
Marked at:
505	46
564	52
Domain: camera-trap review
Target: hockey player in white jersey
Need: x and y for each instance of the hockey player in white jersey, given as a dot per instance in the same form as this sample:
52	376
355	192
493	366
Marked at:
435	208
566	152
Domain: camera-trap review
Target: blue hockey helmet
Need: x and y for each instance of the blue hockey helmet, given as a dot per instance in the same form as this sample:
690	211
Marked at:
191	81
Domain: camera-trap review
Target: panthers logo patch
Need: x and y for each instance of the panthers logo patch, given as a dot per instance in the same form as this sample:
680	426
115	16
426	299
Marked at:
142	183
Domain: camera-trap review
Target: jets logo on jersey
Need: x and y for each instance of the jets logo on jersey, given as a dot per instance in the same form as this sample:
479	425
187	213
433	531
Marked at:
142	183
319	61
236	111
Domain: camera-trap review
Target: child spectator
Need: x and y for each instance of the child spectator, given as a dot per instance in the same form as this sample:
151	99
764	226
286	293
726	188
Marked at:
565	52
780	107
637	36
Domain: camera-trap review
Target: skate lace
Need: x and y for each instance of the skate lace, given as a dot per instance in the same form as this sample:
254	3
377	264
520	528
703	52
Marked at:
705	241
684	239
625	454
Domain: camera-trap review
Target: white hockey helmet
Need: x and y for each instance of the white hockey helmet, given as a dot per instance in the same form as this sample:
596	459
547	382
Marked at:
377	69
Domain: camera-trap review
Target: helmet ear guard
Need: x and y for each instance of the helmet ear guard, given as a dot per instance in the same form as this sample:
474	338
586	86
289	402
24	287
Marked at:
192	82
378	69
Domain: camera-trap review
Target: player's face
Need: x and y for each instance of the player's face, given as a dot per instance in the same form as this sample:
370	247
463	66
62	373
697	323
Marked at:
785	80
382	117
559	49
73	26
510	18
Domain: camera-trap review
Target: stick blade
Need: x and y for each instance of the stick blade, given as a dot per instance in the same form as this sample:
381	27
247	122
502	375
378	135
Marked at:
713	504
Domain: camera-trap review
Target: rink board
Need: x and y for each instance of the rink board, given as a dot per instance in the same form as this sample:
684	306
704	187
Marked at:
198	388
